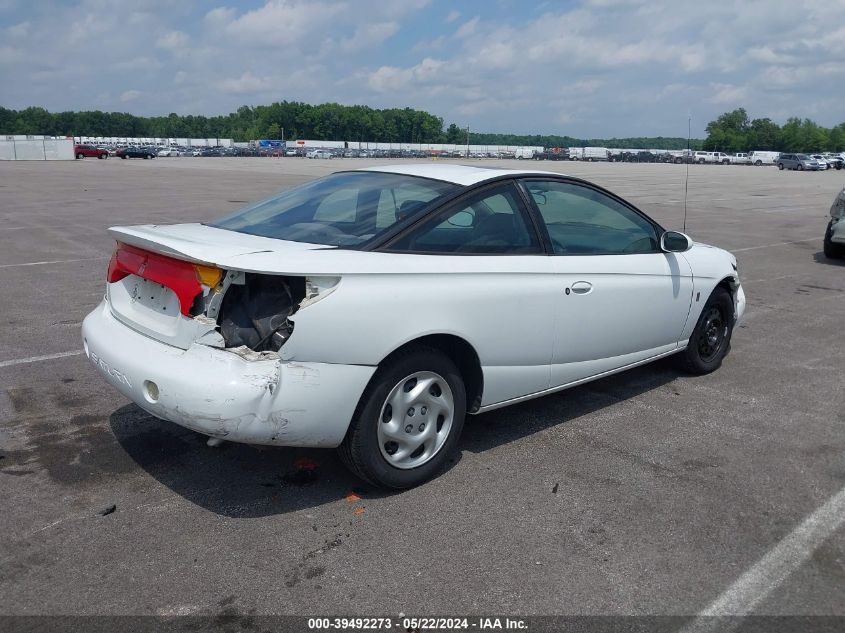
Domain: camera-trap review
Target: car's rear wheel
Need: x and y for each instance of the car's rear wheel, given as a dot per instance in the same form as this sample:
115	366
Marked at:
780	166
408	420
800	167
831	250
80	155
711	339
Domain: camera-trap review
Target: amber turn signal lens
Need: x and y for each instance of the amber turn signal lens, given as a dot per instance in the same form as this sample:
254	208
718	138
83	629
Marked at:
208	275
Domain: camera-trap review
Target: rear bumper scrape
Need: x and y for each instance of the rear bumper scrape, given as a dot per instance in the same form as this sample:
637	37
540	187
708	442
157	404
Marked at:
255	398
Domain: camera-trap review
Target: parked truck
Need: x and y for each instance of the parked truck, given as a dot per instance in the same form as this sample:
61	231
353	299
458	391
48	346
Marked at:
759	158
589	154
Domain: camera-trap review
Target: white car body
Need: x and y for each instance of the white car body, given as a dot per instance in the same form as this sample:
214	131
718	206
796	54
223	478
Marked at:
531	338
836	228
822	161
740	159
320	154
714	158
760	158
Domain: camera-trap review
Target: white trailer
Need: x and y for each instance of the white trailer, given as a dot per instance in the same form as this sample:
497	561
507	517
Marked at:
525	153
595	153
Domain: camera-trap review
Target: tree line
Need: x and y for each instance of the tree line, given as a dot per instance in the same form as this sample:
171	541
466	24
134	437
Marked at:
735	132
292	120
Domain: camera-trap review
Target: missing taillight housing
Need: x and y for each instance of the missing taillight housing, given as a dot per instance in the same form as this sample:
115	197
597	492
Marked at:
255	313
185	279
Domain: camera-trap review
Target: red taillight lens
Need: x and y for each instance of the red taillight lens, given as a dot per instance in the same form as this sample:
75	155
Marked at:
180	276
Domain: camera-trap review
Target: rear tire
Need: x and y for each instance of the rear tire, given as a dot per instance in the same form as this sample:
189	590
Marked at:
831	250
80	156
711	339
780	166
428	388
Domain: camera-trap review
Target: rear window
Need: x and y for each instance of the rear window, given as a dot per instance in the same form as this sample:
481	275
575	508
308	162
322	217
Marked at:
344	209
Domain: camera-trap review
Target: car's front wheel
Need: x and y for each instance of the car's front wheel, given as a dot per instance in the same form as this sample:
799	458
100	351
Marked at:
711	339
832	250
408	420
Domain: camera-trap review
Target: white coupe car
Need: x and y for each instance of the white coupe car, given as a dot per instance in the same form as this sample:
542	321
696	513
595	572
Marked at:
371	310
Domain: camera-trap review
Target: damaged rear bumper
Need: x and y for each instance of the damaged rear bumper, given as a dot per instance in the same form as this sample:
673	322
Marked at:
221	394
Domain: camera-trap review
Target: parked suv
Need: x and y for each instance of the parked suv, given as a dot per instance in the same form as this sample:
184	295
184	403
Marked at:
799	162
82	151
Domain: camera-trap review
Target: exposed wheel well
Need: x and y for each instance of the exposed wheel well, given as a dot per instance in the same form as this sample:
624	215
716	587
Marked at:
463	355
730	284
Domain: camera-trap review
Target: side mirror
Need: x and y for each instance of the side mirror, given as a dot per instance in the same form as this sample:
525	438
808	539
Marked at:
675	242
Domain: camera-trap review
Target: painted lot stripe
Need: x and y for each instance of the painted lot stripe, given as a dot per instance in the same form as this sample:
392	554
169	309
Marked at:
753	248
57	261
750	589
35	359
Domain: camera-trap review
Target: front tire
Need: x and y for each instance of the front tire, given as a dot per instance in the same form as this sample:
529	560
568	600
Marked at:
80	156
408	421
711	339
831	250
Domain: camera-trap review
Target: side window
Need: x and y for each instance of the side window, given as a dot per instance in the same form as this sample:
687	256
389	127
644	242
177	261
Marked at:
338	206
581	220
399	202
491	223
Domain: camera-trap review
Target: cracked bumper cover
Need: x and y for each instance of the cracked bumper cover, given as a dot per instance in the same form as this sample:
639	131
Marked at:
219	393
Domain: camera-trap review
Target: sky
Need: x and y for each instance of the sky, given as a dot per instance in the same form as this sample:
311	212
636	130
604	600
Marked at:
584	68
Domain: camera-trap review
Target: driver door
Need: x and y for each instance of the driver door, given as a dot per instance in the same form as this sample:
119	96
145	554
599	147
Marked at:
619	298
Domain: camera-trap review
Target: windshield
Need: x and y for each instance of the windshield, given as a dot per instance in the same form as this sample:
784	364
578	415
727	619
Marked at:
344	209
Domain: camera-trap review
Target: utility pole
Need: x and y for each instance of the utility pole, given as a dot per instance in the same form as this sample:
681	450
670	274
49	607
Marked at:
467	141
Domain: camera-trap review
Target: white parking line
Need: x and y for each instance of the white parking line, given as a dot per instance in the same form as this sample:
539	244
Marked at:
750	589
57	261
35	359
752	248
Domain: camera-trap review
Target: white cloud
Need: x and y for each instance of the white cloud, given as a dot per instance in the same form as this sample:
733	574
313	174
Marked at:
17	30
173	40
130	95
587	67
728	94
468	27
246	83
369	36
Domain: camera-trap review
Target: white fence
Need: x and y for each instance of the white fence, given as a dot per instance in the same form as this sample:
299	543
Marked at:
36	149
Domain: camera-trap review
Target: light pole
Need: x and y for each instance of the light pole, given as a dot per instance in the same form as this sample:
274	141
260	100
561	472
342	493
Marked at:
467	141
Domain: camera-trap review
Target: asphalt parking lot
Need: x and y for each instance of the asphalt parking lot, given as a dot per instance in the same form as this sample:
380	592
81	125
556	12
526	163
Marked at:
650	492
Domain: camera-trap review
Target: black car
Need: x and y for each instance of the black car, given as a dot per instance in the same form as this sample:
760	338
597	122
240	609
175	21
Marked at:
135	152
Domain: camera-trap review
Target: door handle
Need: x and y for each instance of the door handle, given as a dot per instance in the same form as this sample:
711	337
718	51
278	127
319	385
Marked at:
582	287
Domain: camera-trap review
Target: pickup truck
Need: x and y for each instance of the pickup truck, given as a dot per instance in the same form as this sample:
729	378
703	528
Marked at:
740	159
714	158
